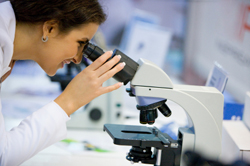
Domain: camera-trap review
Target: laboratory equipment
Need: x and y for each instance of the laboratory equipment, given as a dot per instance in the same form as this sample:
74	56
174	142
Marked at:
107	108
236	136
92	52
152	87
195	159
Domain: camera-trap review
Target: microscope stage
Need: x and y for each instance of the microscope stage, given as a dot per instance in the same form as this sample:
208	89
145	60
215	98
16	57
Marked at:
141	136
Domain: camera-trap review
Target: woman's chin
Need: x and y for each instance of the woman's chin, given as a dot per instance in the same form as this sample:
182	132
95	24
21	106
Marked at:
51	73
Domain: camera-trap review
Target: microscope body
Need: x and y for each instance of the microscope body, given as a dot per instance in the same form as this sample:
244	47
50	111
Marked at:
152	87
203	106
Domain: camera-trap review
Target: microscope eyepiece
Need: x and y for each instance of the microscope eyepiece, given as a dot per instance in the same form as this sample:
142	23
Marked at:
92	52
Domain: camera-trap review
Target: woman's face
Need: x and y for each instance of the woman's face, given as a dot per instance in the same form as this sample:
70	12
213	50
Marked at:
63	49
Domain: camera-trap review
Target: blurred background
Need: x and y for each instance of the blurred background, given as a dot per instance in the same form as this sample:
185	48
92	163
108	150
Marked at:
186	38
195	34
183	37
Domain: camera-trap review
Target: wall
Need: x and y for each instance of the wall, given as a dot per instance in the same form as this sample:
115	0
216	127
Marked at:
219	31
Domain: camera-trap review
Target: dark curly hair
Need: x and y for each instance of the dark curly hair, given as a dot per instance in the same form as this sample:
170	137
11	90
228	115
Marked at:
68	13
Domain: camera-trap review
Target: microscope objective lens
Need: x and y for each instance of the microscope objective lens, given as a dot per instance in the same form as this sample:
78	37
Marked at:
143	117
151	116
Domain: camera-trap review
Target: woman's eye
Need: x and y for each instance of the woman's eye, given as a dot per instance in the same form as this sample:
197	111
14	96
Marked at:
82	43
81	46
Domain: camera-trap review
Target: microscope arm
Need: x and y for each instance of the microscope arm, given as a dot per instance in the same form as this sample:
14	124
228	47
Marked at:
203	105
206	128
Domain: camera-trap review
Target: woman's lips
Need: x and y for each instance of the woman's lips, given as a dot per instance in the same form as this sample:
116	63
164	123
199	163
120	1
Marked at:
66	61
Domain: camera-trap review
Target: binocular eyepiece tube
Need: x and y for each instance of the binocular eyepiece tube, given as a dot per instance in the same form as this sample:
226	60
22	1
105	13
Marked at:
92	52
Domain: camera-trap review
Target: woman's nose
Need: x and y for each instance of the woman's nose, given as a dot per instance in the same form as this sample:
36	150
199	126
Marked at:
77	59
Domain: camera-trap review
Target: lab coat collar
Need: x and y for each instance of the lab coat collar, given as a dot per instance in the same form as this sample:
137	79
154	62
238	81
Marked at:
7	35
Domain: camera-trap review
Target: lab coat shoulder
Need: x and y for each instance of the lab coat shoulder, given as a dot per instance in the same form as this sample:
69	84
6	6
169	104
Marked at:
36	132
7	34
3	67
1	60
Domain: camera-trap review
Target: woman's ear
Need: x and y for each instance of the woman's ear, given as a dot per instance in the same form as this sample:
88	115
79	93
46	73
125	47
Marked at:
50	28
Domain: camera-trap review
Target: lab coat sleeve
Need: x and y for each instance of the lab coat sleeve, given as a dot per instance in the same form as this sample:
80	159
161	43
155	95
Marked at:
38	131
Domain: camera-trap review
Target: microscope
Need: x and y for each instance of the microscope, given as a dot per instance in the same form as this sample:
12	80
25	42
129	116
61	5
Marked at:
152	87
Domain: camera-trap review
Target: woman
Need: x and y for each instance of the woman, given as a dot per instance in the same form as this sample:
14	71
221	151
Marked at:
52	33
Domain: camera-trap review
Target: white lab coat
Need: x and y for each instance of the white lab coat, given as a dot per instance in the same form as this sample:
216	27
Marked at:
38	131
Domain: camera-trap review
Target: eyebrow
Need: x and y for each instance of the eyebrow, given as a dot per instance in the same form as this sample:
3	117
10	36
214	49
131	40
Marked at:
85	39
